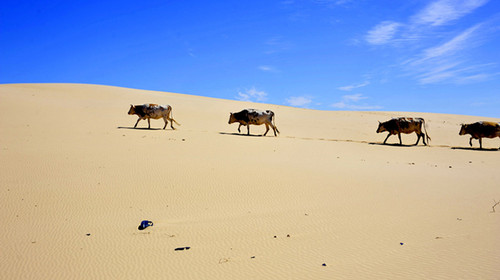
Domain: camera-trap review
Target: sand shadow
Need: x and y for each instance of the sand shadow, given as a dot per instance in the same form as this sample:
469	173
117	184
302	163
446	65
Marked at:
395	145
138	128
475	149
240	134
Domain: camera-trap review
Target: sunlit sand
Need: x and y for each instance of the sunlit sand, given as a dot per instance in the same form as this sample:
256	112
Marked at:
323	200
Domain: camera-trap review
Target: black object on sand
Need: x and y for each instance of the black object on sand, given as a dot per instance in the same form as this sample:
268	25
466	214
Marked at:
144	224
182	248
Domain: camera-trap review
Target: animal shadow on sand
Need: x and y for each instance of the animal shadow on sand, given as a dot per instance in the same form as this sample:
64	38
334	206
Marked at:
476	149
241	134
395	144
138	128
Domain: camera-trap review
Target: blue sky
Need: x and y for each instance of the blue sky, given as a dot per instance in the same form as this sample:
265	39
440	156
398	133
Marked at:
438	56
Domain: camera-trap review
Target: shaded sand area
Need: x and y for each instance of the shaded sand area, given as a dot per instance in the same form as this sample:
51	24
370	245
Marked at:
324	200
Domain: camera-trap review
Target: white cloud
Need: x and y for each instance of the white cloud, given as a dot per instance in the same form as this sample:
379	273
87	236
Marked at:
428	61
441	12
355	86
252	95
448	62
267	68
437	13
332	2
299	101
457	73
382	33
277	44
452	46
354	97
350	102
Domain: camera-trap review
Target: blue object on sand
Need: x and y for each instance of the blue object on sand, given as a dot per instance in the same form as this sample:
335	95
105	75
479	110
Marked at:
144	224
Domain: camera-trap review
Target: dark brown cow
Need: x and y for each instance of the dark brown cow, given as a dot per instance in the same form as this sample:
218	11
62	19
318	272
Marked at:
479	130
404	125
255	117
152	111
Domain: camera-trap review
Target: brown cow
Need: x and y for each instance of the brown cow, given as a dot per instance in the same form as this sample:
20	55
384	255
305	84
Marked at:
255	117
404	125
152	111
479	130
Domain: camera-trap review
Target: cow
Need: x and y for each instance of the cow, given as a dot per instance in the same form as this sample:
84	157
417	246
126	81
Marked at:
152	111
479	130
404	125
256	117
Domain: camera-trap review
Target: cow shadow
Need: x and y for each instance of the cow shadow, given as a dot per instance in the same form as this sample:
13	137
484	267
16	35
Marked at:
138	128
240	134
395	144
476	149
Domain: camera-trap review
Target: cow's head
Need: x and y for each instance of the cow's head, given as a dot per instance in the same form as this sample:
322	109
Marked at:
131	111
232	119
463	129
381	127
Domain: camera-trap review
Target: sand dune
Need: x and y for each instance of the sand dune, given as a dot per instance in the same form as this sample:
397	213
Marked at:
76	180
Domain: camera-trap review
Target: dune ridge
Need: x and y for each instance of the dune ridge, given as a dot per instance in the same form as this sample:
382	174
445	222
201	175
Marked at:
77	180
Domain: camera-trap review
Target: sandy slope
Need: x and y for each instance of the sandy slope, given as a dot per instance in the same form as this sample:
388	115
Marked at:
71	165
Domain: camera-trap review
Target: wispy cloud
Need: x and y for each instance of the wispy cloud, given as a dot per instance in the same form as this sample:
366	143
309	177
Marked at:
436	13
382	33
457	73
299	101
252	95
355	86
332	2
448	62
457	43
351	102
267	68
277	44
441	12
427	60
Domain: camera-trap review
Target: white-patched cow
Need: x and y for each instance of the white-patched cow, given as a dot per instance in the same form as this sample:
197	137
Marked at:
479	130
404	125
255	117
153	111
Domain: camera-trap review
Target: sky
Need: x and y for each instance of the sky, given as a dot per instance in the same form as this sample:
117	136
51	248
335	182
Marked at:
439	56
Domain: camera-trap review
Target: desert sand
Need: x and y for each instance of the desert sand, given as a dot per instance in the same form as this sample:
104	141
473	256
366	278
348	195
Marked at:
323	200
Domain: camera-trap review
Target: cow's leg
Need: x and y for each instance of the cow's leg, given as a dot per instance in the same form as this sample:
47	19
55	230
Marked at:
149	123
166	122
239	131
399	136
388	135
480	143
137	122
470	142
418	139
171	124
423	138
248	129
267	129
274	129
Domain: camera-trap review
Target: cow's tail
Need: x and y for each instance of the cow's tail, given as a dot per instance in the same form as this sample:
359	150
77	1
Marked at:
274	123
426	134
172	117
